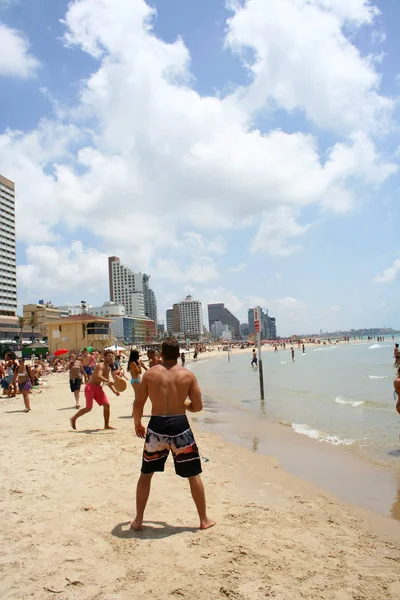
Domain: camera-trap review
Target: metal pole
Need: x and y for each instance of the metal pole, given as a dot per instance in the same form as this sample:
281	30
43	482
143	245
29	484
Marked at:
229	352
260	366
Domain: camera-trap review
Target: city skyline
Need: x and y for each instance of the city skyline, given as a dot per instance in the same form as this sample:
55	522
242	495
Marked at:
249	185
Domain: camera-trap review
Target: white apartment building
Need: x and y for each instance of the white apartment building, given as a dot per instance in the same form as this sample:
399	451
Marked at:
126	288
191	317
8	266
109	309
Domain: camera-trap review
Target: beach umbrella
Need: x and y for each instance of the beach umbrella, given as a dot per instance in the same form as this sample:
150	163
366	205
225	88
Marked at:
61	351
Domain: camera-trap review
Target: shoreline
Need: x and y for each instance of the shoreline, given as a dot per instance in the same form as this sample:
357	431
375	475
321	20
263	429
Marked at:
353	476
67	498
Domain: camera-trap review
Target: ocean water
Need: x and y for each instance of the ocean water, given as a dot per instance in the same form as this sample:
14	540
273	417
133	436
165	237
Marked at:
341	395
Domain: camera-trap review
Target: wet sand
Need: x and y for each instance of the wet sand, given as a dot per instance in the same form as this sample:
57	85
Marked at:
67	498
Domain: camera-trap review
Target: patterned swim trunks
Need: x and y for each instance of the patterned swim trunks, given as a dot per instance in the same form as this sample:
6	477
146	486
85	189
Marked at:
171	433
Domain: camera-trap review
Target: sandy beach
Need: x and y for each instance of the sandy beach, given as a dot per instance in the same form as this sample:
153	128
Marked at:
67	498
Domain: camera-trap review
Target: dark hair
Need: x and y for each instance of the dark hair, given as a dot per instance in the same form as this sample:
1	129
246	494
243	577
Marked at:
170	349
133	357
396	345
107	352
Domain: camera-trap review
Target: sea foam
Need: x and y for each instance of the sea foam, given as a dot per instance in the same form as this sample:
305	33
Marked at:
378	376
348	402
320	436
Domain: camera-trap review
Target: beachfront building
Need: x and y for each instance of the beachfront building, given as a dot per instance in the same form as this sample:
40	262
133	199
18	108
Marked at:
218	312
244	329
131	290
150	301
190	318
109	309
79	331
134	330
272	329
8	265
126	287
37	316
170	320
216	329
71	309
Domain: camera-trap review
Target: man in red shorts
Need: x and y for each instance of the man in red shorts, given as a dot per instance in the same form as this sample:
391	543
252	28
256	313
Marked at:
94	390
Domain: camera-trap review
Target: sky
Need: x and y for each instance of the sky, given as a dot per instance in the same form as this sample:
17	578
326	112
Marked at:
244	152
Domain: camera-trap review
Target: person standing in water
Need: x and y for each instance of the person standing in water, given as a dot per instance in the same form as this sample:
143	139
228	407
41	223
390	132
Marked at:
183	359
304	350
23	375
94	390
292	351
254	360
396	355
172	390
396	385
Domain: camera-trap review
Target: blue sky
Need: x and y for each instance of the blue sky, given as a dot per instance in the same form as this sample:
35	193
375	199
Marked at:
244	153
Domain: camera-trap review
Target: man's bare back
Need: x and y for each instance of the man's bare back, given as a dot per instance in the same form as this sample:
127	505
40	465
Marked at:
168	388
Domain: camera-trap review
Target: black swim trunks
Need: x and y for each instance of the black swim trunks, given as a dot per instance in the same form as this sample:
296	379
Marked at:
171	433
75	384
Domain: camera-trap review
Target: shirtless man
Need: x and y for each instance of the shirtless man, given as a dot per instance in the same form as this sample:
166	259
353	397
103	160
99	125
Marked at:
396	384
94	390
168	385
87	362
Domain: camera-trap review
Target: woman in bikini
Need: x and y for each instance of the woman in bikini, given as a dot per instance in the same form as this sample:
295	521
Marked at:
135	368
23	375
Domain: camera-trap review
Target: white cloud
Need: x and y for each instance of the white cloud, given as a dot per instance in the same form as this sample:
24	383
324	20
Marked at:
15	58
378	36
238	268
276	228
153	169
390	274
66	271
302	60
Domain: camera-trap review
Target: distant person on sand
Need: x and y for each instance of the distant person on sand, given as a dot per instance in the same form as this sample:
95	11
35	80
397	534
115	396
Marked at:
23	375
292	351
254	360
87	362
172	391
153	358
94	390
183	359
135	368
76	373
396	384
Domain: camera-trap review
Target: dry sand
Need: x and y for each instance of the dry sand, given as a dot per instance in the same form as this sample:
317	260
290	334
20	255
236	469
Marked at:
67	498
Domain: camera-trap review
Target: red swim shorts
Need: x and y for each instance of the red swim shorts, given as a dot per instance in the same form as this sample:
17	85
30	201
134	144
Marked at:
95	392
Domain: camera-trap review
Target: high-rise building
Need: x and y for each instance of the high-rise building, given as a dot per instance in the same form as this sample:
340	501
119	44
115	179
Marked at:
8	266
126	287
272	328
191	317
218	312
170	320
176	318
268	324
244	330
150	301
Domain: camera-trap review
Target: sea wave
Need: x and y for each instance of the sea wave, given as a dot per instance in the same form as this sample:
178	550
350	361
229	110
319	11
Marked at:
283	363
330	347
320	436
375	346
348	402
378	376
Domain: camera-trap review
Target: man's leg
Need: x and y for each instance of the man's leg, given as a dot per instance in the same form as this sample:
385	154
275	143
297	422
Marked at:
142	496
81	412
199	497
106	412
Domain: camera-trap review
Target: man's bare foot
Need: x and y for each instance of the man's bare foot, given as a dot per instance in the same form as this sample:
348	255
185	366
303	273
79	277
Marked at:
27	409
207	523
77	406
136	525
72	421
109	427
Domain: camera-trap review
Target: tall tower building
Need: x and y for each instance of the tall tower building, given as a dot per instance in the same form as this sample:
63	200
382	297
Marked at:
191	317
8	266
150	301
126	287
218	312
